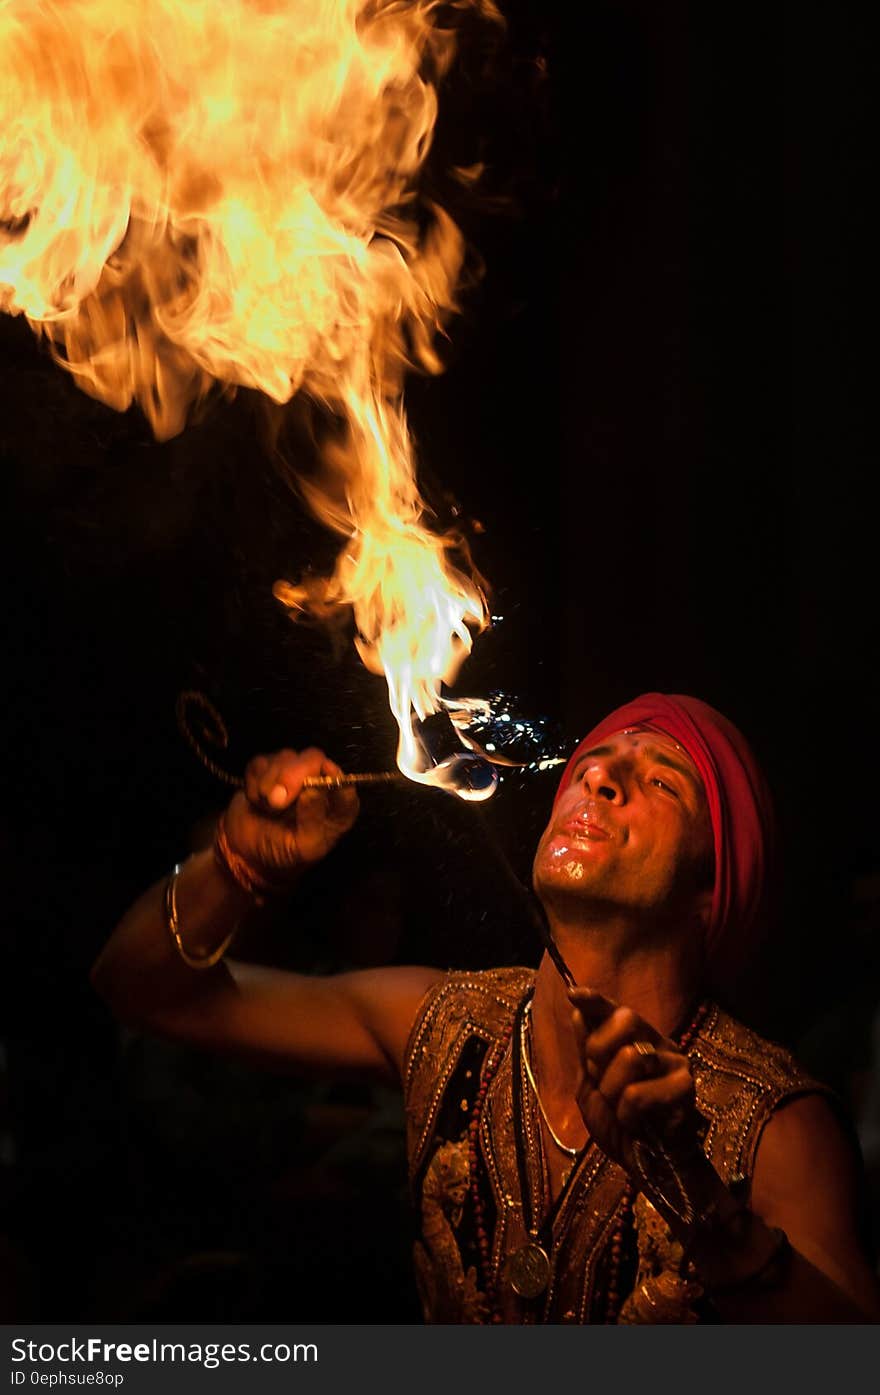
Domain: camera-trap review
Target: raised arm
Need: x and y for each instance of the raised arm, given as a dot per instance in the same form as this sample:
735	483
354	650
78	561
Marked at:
352	1024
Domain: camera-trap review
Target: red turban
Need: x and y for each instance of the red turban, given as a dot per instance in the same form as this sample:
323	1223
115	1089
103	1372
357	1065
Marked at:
740	809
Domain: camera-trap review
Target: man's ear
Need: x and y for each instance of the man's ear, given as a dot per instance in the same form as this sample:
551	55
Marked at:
703	908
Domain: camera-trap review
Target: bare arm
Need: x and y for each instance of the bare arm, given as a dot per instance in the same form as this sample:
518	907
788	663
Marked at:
806	1182
353	1024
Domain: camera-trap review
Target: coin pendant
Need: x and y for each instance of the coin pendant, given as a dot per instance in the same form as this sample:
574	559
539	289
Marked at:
529	1270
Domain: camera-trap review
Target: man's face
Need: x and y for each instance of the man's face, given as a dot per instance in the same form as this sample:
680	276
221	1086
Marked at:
632	830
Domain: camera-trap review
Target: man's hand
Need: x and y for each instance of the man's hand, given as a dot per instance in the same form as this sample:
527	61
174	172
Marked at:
635	1084
276	825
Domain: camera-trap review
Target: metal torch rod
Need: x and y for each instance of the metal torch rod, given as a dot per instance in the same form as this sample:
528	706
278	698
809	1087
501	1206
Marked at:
362	777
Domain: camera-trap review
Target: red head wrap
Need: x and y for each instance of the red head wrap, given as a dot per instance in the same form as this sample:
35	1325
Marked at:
740	809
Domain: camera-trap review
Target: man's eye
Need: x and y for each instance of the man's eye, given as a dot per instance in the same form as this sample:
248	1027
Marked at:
661	784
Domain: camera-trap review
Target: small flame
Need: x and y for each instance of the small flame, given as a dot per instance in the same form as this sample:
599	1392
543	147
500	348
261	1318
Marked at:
195	193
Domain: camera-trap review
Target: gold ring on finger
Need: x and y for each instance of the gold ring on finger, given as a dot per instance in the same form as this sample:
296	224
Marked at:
648	1052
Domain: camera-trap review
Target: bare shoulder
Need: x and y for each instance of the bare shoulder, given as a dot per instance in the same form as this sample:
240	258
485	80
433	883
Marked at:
805	1138
388	1000
807	1181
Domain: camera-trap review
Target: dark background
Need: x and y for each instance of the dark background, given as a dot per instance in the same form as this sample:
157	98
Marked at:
659	407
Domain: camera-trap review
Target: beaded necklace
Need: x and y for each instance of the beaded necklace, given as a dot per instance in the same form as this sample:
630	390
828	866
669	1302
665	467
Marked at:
624	1215
496	1055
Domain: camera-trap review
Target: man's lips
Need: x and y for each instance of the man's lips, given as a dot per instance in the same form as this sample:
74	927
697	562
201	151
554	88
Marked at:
586	828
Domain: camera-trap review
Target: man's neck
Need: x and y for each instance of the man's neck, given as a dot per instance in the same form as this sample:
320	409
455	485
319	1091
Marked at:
659	983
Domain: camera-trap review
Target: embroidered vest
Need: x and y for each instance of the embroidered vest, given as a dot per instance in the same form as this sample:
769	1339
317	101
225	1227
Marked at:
740	1079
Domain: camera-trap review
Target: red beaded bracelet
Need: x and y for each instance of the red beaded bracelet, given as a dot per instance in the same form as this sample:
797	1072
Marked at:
240	870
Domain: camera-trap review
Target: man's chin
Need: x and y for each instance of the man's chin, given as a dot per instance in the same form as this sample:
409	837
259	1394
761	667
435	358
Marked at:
564	868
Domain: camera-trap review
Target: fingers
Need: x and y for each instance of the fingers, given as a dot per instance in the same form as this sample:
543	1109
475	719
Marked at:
604	1030
637	1106
630	1073
666	1101
273	783
274	789
632	1067
337	804
593	1008
252	776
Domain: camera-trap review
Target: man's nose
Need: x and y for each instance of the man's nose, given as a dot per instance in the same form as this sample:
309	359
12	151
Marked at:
603	780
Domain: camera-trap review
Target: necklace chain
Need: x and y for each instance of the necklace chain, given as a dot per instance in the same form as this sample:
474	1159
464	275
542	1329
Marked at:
526	1036
623	1212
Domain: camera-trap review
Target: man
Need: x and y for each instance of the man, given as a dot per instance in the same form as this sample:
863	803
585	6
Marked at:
593	1142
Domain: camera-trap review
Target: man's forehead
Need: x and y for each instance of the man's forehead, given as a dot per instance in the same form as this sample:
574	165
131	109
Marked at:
647	736
641	738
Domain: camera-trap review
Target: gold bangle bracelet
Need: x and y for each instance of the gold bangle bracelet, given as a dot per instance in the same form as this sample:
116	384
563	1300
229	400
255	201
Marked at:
193	961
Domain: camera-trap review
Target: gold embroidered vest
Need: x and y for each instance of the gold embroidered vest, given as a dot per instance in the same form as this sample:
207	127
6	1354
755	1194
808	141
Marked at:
740	1079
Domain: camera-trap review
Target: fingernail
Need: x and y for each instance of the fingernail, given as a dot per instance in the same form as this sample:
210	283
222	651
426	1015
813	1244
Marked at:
278	796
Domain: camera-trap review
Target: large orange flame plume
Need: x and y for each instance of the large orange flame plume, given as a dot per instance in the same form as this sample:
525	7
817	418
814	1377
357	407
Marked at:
194	193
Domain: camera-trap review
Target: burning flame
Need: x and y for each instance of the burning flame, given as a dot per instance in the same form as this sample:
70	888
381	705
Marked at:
196	193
